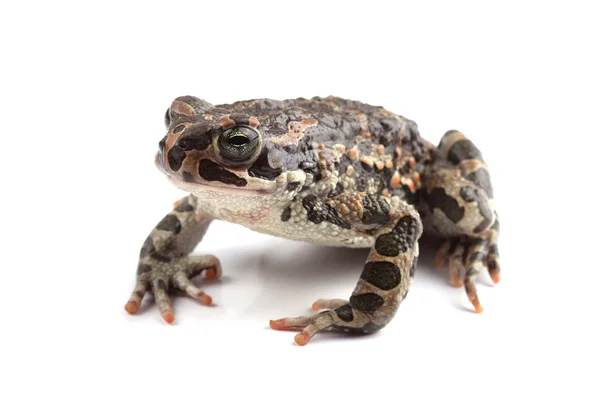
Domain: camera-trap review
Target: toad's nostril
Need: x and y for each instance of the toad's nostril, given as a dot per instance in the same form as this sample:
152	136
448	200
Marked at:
185	144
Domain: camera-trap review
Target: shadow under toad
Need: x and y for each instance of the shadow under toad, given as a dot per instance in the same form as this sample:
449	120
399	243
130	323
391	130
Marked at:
295	274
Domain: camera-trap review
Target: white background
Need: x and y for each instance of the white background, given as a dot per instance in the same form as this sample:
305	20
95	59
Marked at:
84	89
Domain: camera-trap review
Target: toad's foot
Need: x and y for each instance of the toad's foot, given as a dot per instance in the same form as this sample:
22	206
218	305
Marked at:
162	277
469	255
340	317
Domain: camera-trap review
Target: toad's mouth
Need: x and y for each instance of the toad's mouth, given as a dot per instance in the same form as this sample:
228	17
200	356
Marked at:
251	186
197	187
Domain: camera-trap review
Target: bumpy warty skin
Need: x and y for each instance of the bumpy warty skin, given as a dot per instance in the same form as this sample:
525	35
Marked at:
328	171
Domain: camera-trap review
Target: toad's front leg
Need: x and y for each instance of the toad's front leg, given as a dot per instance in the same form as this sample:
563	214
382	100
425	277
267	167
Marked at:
383	284
164	262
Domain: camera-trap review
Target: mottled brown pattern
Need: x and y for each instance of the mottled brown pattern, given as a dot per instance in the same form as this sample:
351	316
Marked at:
301	134
328	171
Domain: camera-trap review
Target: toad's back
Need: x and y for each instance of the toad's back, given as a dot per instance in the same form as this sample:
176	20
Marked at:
372	149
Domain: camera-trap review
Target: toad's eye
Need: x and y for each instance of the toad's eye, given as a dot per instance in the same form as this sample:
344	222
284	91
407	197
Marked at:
239	143
167	119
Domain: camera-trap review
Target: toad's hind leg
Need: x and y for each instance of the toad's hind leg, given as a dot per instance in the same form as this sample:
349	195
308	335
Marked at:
383	284
456	203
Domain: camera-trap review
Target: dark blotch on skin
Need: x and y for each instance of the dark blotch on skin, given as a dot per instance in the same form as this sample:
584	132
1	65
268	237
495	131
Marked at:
493	250
292	186
400	239
407	229
311	168
213	172
143	268
184	206
438	198
463	150
375	210
387	245
492	265
482	226
486	213
187	177
170	223
318	212
262	169
382	274
194	138
286	214
147	248
477	256
367	302
161	285
160	257
468	194
481	178
290	148
176	156
345	313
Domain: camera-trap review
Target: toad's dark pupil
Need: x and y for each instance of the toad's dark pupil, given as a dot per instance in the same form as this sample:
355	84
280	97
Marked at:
238	144
238	140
